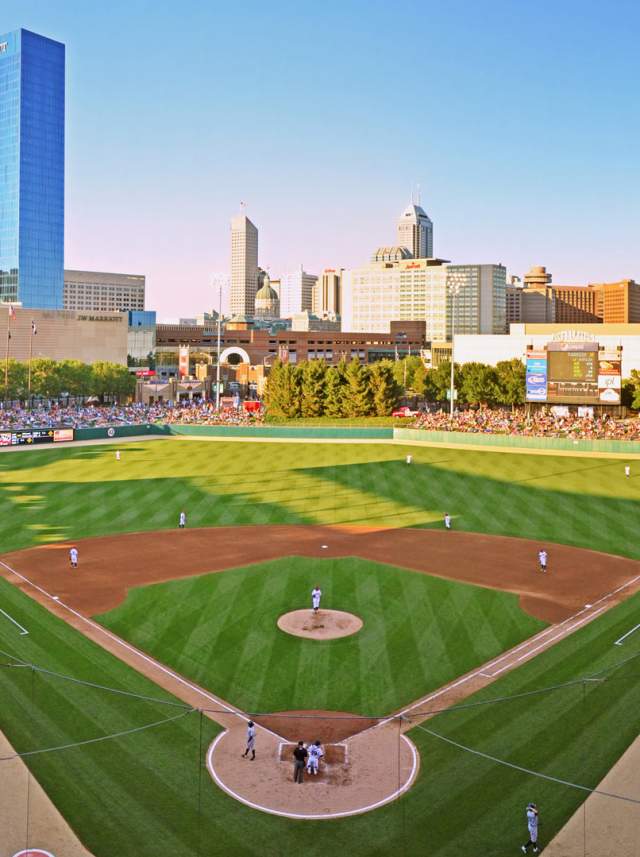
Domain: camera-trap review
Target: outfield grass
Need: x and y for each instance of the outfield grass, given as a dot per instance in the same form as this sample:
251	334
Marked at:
141	795
83	491
419	631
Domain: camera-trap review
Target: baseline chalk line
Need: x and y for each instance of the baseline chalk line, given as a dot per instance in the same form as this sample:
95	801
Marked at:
624	636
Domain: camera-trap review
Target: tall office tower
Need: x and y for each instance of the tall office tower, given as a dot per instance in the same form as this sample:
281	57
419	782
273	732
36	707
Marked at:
94	290
296	292
415	232
326	294
244	265
31	170
480	299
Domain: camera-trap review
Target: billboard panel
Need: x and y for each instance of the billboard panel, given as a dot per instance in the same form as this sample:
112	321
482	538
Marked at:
22	437
536	376
610	377
573	372
183	361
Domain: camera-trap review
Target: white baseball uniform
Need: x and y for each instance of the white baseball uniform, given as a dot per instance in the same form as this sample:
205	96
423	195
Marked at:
447	521
542	558
316	595
183	520
117	455
251	737
313	759
532	824
627	470
73	557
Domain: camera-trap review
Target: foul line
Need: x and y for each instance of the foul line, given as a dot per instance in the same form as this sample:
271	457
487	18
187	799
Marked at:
302	816
624	636
23	631
133	650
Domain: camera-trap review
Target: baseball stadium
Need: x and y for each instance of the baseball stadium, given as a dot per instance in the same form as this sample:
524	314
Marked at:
451	679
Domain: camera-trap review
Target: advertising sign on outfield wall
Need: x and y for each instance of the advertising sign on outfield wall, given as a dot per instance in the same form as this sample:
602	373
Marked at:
536	381
35	436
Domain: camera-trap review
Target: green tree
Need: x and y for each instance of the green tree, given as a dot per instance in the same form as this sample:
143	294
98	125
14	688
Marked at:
17	380
634	389
44	379
73	377
282	395
384	388
335	386
439	380
404	371
314	376
419	383
358	401
479	384
111	379
511	382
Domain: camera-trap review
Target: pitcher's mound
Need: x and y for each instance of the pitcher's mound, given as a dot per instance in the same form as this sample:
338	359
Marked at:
323	625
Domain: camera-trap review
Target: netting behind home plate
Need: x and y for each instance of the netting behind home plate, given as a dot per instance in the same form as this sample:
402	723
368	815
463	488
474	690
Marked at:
139	775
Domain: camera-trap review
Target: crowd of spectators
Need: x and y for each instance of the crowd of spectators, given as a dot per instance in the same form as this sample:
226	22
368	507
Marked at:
541	423
100	416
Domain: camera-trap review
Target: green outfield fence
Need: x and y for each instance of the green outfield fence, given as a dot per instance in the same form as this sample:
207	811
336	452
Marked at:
489	441
503	441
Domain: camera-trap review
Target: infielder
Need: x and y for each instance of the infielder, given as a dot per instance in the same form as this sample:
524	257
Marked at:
316	595
182	520
532	825
315	754
542	559
73	557
447	521
251	740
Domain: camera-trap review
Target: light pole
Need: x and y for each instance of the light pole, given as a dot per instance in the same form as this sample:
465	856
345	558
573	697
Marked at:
454	291
218	349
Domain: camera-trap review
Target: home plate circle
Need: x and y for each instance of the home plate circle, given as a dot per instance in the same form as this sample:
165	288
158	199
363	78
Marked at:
34	852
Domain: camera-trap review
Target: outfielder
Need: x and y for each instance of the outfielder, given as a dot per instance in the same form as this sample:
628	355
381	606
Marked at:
182	520
532	825
117	455
627	471
542	559
251	741
73	557
316	595
315	754
447	521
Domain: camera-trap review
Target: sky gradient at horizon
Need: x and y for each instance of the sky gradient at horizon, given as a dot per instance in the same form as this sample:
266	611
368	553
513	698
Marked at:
519	121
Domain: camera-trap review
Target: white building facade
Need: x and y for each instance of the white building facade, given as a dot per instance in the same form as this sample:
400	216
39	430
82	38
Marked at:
102	292
296	292
415	232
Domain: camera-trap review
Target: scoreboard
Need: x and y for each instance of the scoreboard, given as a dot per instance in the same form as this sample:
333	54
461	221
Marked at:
572	376
31	436
573	373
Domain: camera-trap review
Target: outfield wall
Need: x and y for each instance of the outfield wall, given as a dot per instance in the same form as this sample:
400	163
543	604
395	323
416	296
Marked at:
512	441
311	432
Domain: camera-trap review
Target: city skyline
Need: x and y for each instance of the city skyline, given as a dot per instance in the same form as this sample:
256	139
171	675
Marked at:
518	167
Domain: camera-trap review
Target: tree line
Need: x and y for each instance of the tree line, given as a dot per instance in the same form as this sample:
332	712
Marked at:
51	379
314	389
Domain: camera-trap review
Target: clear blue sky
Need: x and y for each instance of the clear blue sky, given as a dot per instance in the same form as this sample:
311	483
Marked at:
519	119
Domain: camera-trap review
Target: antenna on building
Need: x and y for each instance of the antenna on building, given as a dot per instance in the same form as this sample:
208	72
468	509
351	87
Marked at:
418	194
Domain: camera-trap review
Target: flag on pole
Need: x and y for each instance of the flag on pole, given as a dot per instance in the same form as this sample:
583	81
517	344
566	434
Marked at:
34	329
12	312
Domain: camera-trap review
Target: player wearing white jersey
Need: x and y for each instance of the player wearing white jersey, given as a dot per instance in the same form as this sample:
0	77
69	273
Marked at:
73	557
182	520
313	760
251	740
532	826
316	595
542	559
447	521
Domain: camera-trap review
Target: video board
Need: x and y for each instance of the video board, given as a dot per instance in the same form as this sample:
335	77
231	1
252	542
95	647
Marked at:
573	373
36	436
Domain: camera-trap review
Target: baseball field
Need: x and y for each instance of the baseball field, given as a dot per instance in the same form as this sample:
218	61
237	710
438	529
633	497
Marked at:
475	684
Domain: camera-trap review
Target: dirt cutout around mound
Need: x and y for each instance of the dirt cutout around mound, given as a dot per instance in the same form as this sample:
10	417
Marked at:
380	762
320	625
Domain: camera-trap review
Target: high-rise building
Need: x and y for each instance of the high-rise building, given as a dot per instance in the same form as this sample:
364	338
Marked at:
244	265
296	292
94	290
415	232
326	294
32	70
421	290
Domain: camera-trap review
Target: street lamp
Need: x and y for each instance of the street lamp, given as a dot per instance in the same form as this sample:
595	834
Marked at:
454	291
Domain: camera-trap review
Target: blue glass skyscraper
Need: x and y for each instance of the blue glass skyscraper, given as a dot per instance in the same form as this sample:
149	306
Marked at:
31	170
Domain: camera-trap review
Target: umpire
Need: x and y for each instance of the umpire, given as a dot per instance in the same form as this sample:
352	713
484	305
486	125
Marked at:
299	761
